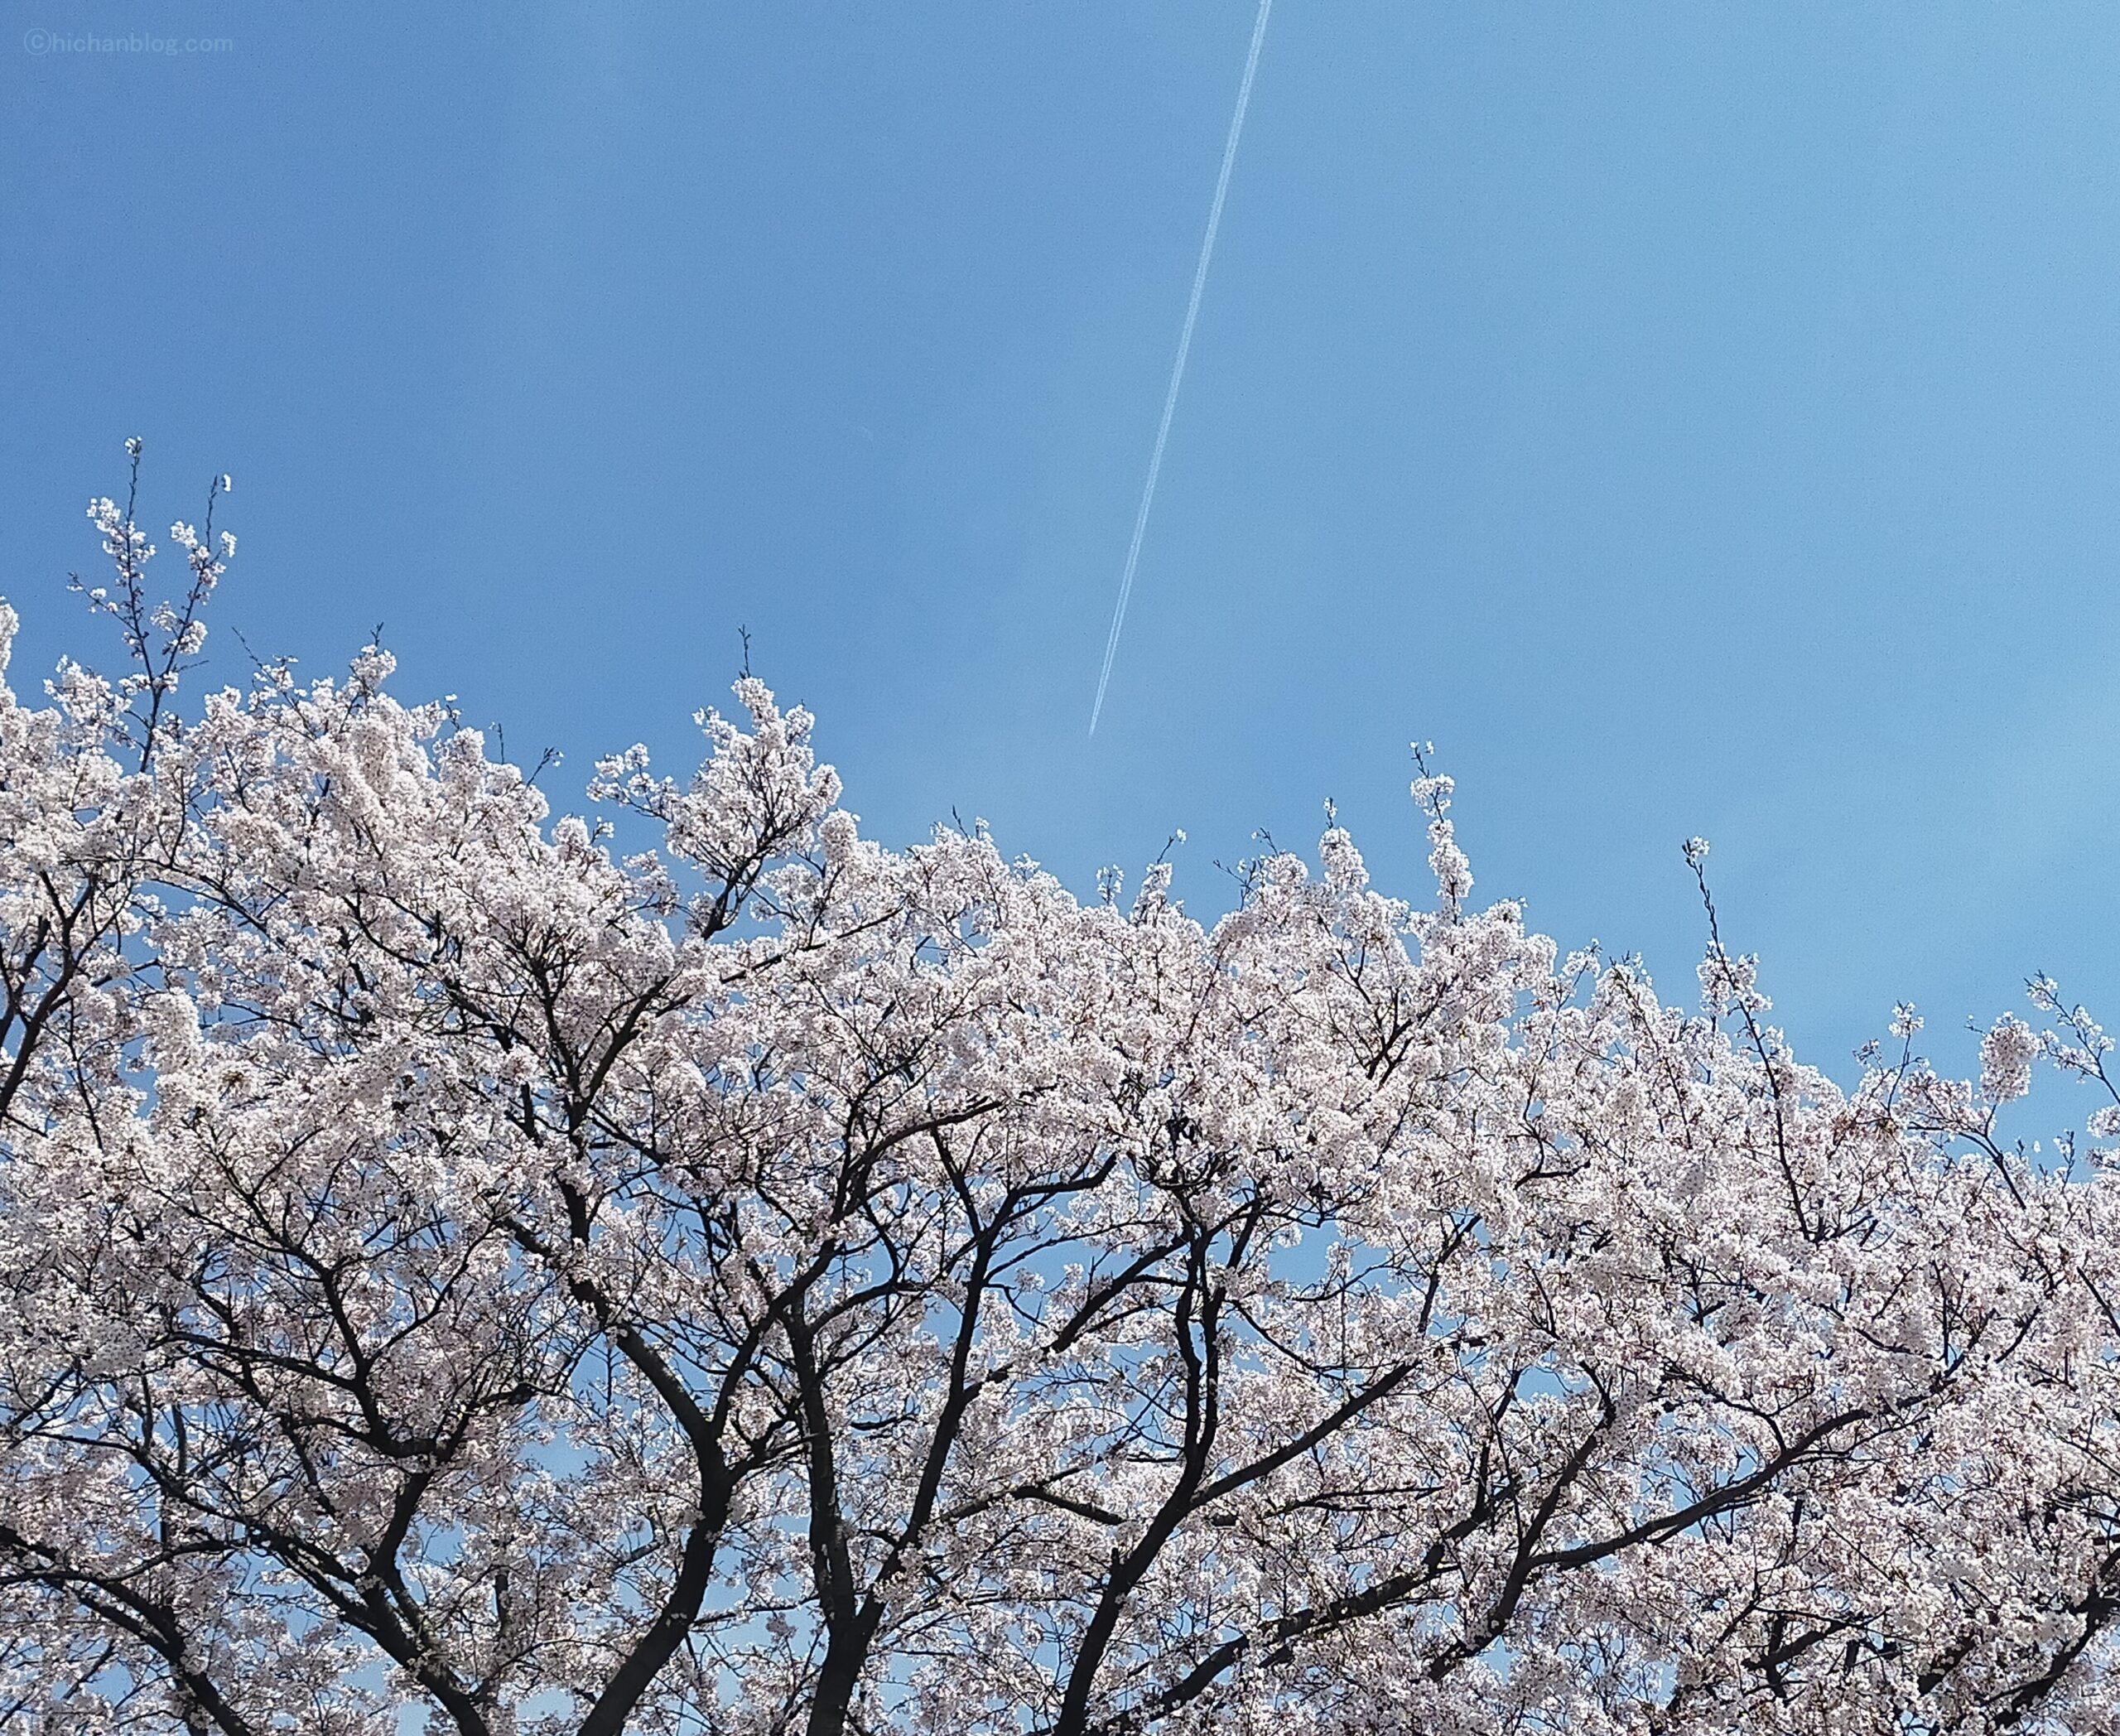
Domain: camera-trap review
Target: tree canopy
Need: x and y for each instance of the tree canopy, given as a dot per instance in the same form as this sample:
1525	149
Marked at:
775	1282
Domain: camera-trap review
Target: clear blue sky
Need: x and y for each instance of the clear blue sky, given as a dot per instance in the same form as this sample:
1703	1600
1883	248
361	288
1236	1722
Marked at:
1696	418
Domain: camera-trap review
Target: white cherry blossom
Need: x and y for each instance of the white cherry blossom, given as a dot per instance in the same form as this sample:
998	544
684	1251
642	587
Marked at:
785	1283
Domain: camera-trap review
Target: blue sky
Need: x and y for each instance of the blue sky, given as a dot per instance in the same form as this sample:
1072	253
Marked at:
1693	418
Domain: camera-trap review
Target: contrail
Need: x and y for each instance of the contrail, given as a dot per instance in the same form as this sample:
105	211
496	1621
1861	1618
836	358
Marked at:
1178	368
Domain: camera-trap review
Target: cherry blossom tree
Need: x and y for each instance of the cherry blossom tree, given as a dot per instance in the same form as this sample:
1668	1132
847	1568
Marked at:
452	1268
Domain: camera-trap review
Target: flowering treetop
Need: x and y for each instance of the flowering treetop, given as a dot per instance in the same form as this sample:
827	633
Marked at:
777	1282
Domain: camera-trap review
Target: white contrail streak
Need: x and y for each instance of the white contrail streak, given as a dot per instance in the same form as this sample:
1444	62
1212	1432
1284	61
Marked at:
1178	368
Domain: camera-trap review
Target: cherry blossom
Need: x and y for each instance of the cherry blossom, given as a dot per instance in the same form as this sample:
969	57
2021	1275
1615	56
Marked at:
780	1282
